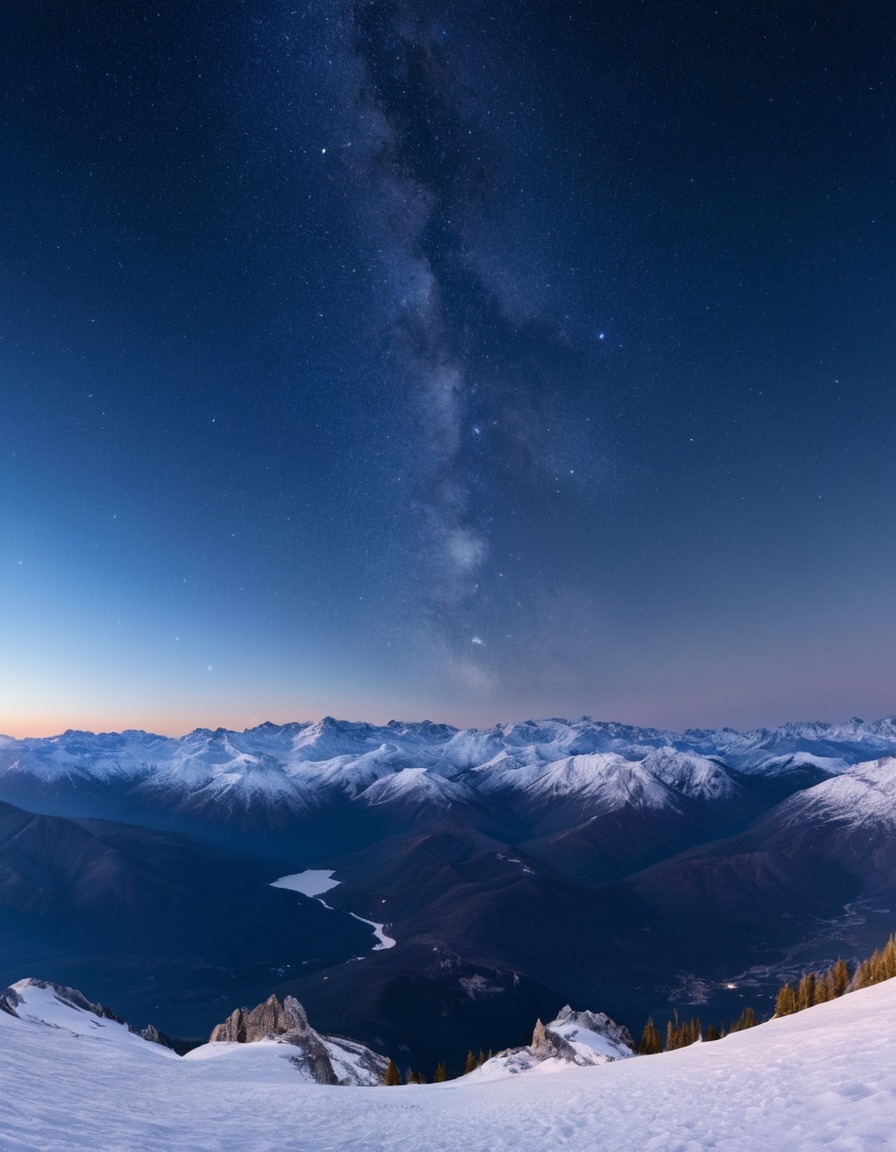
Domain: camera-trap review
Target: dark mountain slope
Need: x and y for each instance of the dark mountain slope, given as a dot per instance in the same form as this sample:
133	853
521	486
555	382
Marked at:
132	905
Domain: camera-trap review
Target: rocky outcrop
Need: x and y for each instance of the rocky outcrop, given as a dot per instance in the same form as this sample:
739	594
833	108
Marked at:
9	1001
323	1059
549	1044
286	1023
265	1022
154	1036
326	1059
580	1038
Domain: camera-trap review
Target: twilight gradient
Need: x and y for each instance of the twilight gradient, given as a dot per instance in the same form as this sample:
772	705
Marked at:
468	360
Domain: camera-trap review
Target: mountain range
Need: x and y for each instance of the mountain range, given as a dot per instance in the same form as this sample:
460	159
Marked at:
514	869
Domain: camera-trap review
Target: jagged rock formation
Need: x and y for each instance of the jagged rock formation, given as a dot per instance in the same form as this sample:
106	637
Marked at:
581	1038
9	1001
559	1039
154	1036
325	1059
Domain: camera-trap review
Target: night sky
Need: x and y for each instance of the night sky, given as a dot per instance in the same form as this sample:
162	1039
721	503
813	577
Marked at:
469	360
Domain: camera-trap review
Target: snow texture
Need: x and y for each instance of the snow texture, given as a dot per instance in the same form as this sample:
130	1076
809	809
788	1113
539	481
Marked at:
824	1078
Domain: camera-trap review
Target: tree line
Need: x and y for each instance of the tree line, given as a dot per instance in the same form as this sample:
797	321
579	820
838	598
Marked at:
816	988
812	988
415	1076
681	1033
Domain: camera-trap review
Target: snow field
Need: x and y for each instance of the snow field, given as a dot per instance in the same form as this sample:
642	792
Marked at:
822	1079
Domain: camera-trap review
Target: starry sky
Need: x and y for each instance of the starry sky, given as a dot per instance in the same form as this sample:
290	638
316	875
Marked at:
469	360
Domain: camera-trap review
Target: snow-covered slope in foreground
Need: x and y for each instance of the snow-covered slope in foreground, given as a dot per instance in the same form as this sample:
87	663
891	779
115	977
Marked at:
823	1078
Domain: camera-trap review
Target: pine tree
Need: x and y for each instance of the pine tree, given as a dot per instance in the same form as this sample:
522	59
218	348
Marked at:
712	1033
865	973
888	959
681	1033
393	1076
441	1074
805	993
673	1033
785	1001
651	1042
881	965
470	1064
747	1019
840	977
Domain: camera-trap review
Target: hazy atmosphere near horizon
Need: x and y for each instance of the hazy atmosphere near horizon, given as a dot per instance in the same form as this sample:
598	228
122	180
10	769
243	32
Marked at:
467	361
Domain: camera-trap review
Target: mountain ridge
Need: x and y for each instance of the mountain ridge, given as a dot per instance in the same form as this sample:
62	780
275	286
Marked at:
302	766
550	860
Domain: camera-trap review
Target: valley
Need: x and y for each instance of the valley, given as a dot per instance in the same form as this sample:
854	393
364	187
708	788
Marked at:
475	879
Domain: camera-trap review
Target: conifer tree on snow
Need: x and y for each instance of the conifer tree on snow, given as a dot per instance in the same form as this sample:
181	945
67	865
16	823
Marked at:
682	1033
651	1041
880	965
805	993
393	1076
747	1019
785	1001
840	976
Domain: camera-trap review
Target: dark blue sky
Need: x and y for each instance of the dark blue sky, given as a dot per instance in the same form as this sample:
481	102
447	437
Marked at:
469	360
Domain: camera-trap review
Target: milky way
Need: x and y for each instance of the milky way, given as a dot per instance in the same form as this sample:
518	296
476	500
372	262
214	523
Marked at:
487	370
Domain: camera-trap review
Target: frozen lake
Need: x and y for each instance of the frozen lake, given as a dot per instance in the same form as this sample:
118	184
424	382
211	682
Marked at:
314	882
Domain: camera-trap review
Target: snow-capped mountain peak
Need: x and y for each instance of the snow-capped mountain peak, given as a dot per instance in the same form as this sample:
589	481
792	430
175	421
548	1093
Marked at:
301	768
